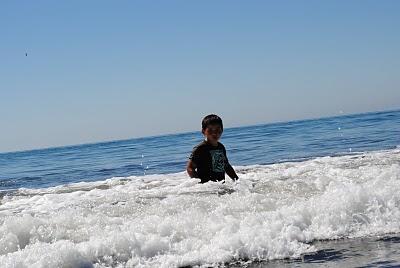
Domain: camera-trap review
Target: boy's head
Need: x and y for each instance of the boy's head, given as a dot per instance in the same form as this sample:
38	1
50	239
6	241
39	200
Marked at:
212	127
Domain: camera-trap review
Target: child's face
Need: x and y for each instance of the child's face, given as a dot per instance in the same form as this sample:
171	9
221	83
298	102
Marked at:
213	133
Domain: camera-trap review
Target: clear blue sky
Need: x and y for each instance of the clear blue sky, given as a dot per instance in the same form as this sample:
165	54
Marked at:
107	70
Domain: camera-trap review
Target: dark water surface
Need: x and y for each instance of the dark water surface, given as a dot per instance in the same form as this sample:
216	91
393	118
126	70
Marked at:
366	252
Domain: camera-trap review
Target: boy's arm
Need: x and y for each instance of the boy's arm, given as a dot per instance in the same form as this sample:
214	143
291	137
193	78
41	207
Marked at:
191	169
231	172
229	169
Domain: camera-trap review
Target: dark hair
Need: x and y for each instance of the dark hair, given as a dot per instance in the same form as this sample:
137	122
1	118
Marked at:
211	119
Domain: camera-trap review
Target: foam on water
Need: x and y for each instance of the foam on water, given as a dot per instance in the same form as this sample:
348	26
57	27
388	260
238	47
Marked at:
274	212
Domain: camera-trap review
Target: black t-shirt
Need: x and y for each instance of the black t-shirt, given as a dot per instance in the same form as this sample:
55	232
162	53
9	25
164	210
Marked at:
210	161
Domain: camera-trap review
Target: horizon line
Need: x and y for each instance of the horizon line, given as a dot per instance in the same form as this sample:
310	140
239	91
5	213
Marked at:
191	131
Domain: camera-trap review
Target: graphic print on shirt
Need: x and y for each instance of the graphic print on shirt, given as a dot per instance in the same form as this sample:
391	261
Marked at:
218	160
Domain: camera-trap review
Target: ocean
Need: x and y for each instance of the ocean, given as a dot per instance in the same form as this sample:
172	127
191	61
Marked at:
312	193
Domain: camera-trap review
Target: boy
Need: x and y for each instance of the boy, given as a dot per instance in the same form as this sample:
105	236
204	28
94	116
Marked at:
208	160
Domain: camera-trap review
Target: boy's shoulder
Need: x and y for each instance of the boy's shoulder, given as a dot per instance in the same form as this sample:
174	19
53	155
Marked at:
205	145
201	145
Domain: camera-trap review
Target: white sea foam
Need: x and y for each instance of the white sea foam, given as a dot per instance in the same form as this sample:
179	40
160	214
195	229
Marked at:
170	220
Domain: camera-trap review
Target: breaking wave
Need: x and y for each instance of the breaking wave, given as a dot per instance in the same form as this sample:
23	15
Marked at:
274	211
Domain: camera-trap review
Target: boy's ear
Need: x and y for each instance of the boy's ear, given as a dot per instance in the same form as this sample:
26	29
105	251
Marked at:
202	131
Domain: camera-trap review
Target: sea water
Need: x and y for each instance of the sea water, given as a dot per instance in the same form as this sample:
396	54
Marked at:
312	193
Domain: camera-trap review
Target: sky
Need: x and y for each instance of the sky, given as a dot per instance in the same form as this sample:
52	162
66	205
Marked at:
107	70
